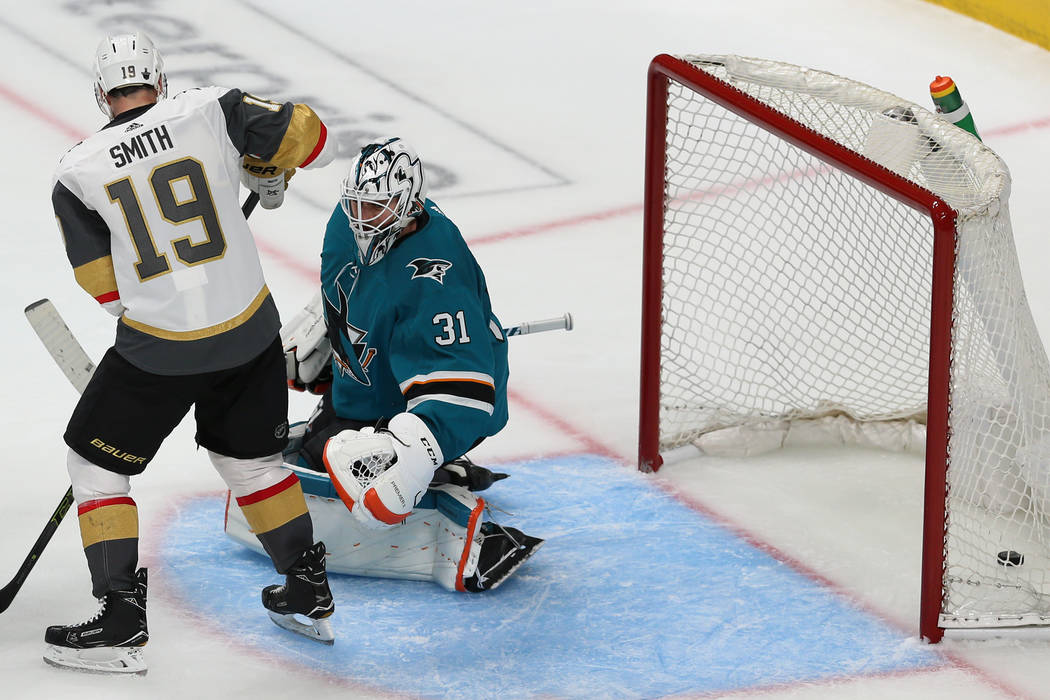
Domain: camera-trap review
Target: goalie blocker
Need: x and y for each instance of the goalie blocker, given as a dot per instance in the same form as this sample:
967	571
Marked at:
444	539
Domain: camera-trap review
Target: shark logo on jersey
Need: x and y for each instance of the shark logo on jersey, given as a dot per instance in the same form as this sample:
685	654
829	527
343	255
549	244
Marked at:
349	349
425	268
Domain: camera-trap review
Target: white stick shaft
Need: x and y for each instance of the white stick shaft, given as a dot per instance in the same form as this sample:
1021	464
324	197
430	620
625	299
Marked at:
547	324
69	355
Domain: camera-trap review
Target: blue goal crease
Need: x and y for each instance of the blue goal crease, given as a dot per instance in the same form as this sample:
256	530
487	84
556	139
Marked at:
644	599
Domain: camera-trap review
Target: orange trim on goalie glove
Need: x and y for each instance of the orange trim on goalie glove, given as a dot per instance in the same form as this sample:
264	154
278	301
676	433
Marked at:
377	508
472	524
343	495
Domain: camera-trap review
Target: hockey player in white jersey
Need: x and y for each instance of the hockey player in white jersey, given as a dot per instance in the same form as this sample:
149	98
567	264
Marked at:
149	214
417	363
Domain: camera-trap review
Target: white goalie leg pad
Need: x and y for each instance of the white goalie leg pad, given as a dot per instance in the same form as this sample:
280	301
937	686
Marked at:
438	542
380	476
246	476
458	544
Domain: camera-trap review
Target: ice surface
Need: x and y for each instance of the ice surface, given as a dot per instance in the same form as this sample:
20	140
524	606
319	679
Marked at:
532	118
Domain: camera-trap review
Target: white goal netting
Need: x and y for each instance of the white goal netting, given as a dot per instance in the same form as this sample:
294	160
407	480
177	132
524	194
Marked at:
795	292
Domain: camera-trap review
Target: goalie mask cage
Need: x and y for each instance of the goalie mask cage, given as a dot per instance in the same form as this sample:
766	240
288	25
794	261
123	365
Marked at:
821	252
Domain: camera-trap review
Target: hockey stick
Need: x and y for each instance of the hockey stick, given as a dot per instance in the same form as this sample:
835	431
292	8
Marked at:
249	204
60	342
77	366
547	324
8	592
74	362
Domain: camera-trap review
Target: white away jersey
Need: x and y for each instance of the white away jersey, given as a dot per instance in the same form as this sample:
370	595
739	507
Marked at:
149	213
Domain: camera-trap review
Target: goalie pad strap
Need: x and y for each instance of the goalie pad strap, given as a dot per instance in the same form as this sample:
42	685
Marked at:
468	562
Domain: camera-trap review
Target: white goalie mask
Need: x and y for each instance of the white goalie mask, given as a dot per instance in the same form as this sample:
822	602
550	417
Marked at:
383	192
123	60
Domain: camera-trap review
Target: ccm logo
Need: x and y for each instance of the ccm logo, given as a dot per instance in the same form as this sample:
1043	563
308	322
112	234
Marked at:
430	451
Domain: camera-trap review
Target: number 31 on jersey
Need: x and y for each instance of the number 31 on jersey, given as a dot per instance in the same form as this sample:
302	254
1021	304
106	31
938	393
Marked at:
453	328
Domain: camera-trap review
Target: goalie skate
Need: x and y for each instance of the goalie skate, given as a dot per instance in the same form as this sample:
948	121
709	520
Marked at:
503	551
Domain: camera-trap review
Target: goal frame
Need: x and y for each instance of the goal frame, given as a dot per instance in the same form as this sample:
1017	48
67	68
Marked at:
665	68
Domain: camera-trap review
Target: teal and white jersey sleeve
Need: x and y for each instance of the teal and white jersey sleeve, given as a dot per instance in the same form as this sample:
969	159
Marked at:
415	332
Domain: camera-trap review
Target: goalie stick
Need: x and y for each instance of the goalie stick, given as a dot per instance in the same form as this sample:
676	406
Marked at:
78	367
547	324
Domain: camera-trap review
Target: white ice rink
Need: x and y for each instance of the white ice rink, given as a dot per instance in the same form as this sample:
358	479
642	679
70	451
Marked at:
532	116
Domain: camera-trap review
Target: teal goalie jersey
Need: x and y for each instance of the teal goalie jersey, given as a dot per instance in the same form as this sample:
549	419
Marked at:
415	332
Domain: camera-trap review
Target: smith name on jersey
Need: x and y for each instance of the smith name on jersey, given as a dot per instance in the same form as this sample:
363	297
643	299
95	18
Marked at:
415	332
149	213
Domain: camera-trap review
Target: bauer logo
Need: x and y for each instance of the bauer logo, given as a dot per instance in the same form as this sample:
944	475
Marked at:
261	170
117	453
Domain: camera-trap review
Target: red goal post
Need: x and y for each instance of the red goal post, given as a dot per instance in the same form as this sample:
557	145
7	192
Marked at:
800	268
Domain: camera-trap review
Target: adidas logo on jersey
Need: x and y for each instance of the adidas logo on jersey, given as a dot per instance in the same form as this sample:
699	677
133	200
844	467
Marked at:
132	125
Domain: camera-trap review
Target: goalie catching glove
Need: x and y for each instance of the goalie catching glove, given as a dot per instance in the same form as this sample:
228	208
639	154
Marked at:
307	350
381	475
265	179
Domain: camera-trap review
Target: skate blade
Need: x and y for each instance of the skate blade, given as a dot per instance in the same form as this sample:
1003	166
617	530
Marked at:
530	549
106	660
318	630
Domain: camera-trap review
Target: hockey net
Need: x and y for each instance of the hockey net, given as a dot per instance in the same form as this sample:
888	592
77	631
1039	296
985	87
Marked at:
826	258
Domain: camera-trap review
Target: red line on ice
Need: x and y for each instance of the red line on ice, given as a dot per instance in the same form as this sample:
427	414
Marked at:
40	113
590	443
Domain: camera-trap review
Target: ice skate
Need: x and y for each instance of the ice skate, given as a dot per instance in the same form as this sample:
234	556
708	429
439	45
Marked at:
503	550
305	593
111	641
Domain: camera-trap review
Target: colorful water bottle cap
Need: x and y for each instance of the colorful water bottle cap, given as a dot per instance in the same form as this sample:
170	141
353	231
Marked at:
941	86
